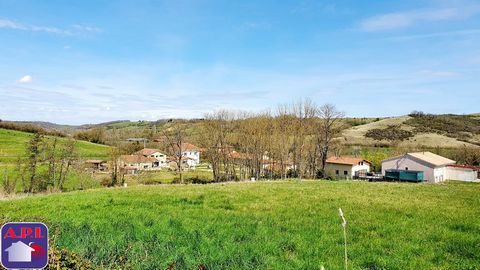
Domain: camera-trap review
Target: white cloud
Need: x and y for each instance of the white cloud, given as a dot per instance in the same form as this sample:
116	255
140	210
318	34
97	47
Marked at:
404	19
74	30
26	79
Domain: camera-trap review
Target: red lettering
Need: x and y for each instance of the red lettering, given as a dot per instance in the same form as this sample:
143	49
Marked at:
10	234
25	232
38	233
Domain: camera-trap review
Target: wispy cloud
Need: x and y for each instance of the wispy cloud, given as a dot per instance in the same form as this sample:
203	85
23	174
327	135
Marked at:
73	30
408	18
26	79
439	73
465	32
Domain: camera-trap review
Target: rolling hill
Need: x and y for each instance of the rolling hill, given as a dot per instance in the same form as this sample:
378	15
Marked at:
12	145
444	131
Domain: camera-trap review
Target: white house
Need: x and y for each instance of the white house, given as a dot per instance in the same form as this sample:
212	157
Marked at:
191	153
434	167
19	252
154	153
346	167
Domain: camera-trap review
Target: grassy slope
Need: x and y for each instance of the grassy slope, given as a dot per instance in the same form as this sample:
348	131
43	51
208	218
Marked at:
12	145
265	225
356	135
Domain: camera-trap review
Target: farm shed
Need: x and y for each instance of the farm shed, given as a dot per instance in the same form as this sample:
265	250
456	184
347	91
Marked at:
463	172
434	167
346	167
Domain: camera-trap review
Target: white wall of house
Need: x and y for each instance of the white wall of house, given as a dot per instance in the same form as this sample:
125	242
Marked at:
194	155
162	159
339	170
430	173
365	167
344	171
140	165
462	174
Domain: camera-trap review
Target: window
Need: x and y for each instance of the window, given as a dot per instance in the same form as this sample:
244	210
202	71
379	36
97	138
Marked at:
337	172
361	162
345	172
406	168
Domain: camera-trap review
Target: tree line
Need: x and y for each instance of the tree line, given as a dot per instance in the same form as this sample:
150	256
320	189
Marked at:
292	141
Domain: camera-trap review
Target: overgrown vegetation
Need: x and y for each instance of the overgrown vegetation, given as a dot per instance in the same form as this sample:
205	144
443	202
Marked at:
391	133
264	225
456	126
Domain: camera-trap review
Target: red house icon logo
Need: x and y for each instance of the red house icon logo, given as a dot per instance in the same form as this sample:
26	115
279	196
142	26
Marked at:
24	245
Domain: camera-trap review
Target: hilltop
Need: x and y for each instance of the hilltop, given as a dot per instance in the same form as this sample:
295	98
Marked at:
417	131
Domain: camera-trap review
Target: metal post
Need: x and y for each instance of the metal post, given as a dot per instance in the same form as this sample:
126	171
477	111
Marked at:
344	225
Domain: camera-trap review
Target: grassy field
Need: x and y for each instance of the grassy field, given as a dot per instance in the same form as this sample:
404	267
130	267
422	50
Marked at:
13	144
264	225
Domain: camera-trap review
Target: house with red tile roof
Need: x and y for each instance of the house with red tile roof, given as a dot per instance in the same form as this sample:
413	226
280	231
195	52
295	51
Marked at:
154	153
345	167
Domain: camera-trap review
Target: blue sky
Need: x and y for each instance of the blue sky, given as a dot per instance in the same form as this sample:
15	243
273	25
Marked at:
79	62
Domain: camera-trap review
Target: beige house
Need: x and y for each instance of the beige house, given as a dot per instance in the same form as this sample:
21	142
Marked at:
136	162
435	168
154	153
346	167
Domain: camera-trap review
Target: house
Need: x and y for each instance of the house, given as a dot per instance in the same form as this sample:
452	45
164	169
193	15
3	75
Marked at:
435	168
346	167
154	153
185	162
19	252
463	172
96	165
191	152
136	162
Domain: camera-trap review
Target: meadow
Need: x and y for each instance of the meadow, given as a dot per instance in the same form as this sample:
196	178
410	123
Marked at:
13	145
264	225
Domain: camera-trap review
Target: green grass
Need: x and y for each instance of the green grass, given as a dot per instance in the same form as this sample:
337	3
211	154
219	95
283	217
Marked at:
166	176
13	144
264	225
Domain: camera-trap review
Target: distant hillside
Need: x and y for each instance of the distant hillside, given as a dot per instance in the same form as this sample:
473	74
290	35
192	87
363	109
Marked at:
417	130
13	143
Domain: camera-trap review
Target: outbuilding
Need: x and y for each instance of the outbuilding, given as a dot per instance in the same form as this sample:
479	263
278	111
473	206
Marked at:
434	167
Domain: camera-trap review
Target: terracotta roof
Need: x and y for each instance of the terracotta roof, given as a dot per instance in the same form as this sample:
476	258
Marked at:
346	160
237	155
137	159
432	158
147	151
189	147
94	161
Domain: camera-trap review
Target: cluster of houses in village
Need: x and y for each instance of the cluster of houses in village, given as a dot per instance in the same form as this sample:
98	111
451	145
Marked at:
152	159
412	167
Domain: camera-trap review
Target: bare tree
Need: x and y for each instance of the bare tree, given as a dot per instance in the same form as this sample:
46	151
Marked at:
329	129
175	140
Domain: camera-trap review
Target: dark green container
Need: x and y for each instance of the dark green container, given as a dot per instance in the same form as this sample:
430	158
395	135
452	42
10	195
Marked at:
402	175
